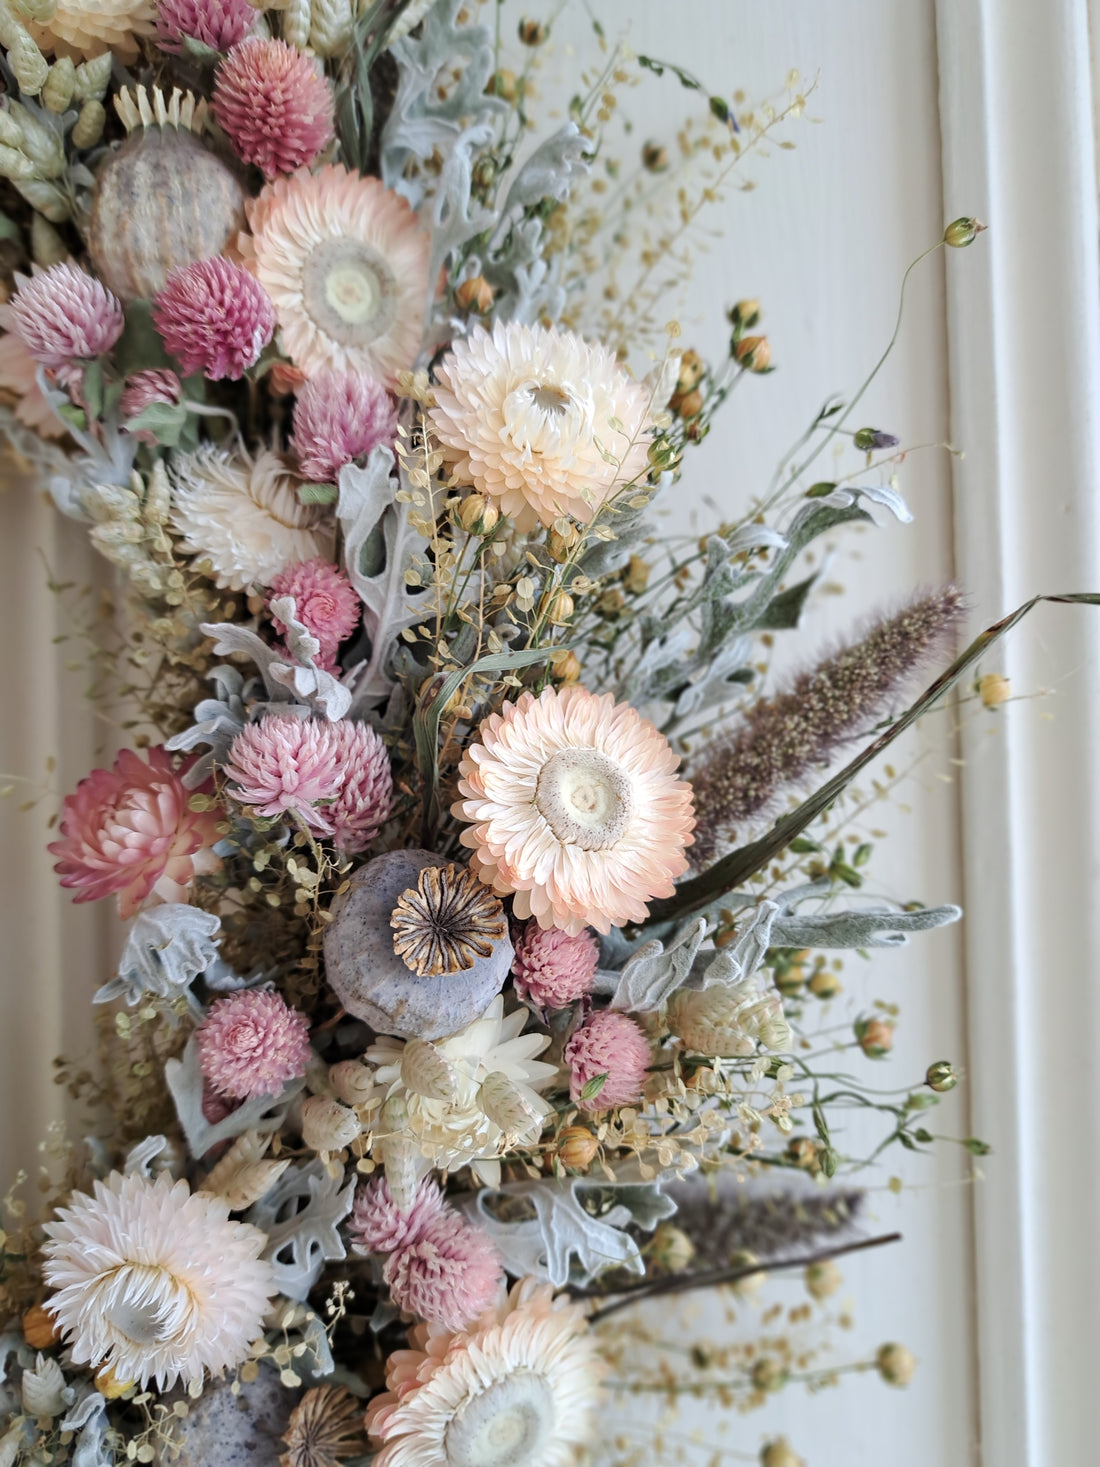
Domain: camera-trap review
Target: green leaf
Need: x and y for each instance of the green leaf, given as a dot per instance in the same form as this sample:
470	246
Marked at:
820	491
164	420
741	865
92	389
317	493
75	416
783	612
591	1088
976	1147
139	347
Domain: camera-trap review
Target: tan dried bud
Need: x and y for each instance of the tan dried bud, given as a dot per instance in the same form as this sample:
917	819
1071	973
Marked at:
780	1453
108	1384
875	1037
40	1328
561	543
353	1081
503	84
88	127
297	23
822	1280
58	91
941	1077
745	313
93	78
803	1153
561	609
691	405
15	165
654	157
157	504
478	515
672	1249
896	1364
825	984
566	667
611	602
754	353
47	246
40	11
577	1148
769	1374
404	1165
327	1125
993	689
636	575
692	368
475	294
531	33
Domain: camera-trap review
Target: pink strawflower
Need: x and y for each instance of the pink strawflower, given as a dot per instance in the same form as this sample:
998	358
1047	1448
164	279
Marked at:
340	416
448	1275
144	389
274	104
285	764
214	317
325	603
553	968
608	1044
362	805
252	1043
64	315
378	1225
131	831
216	23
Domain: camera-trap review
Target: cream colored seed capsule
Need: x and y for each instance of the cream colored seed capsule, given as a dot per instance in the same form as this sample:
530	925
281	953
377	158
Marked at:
327	1125
561	609
93	78
58	91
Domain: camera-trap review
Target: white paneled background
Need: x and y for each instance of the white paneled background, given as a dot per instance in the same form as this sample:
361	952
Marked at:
823	241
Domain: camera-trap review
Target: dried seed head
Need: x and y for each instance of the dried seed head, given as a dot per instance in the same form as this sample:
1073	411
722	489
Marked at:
425	1071
446	922
325	1429
327	1125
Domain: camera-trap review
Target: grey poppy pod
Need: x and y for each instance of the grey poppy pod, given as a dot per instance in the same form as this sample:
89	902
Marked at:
161	200
376	985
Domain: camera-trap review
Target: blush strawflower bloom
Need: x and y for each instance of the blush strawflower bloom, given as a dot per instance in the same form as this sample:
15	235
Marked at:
216	23
130	831
554	968
274	104
339	417
362	803
252	1043
64	315
612	1045
325	603
573	805
448	1274
214	317
286	765
378	1225
154	1281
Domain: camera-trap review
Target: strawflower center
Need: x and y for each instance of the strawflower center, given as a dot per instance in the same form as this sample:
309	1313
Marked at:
585	798
509	1424
348	290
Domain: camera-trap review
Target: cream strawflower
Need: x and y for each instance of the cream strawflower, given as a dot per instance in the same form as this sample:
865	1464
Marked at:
81	29
476	1122
345	263
518	1389
243	516
574	806
540	419
155	1281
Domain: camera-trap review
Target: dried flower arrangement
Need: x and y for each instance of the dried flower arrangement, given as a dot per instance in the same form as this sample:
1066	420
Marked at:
442	982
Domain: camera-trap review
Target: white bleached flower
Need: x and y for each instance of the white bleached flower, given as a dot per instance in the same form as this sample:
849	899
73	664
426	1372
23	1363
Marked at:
455	1129
243	516
155	1281
545	422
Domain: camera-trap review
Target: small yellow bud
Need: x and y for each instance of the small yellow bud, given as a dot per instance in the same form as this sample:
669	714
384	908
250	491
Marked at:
823	1280
803	1153
475	294
531	33
896	1364
691	405
478	515
503	84
611	602
692	368
566	667
753	353
561	609
745	313
941	1077
673	1250
824	984
768	1374
780	1453
577	1148
108	1384
993	689
875	1037
962	232
636	575
40	1328
654	158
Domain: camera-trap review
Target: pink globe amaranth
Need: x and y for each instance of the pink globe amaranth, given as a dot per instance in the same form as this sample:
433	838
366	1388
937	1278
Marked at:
252	1043
153	387
325	603
214	317
448	1275
286	765
362	804
612	1045
130	831
219	24
340	417
274	104
553	968
378	1225
64	315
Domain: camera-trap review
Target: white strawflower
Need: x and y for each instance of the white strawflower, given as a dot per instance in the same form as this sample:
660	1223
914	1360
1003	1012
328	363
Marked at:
155	1281
519	1388
244	516
545	422
727	1022
482	1098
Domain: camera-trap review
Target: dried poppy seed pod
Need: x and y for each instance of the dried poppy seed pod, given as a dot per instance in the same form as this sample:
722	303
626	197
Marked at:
88	128
58	91
162	200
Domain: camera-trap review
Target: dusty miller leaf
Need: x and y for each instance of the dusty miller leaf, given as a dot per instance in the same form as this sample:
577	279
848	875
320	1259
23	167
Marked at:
217	723
184	1079
302	1240
166	950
